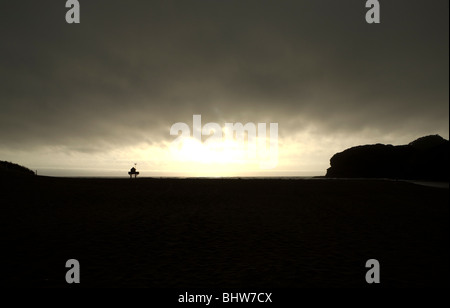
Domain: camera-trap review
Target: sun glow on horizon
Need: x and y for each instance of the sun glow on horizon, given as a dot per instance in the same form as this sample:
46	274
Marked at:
216	159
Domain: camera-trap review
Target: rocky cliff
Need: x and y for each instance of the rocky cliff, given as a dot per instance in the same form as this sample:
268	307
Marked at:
426	158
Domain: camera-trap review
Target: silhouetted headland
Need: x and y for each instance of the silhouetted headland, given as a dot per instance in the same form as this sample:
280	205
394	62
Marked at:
8	169
426	158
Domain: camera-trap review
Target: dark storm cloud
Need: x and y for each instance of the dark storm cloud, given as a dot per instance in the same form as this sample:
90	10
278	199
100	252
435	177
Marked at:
133	68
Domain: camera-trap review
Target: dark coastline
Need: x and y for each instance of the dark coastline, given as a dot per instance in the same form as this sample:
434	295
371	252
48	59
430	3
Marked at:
223	232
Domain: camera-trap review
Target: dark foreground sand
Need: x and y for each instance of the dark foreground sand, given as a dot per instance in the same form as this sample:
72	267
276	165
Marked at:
223	233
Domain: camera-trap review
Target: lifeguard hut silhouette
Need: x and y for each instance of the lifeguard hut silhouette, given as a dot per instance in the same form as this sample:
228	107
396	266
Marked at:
133	172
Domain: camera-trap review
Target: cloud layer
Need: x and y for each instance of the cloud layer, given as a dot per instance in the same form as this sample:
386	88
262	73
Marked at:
133	68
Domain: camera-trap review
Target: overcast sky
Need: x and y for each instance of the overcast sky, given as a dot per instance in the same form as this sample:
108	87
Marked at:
104	93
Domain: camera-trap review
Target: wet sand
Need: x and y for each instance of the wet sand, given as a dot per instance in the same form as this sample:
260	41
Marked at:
223	233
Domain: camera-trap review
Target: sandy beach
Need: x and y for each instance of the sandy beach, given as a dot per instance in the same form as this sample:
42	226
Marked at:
223	233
